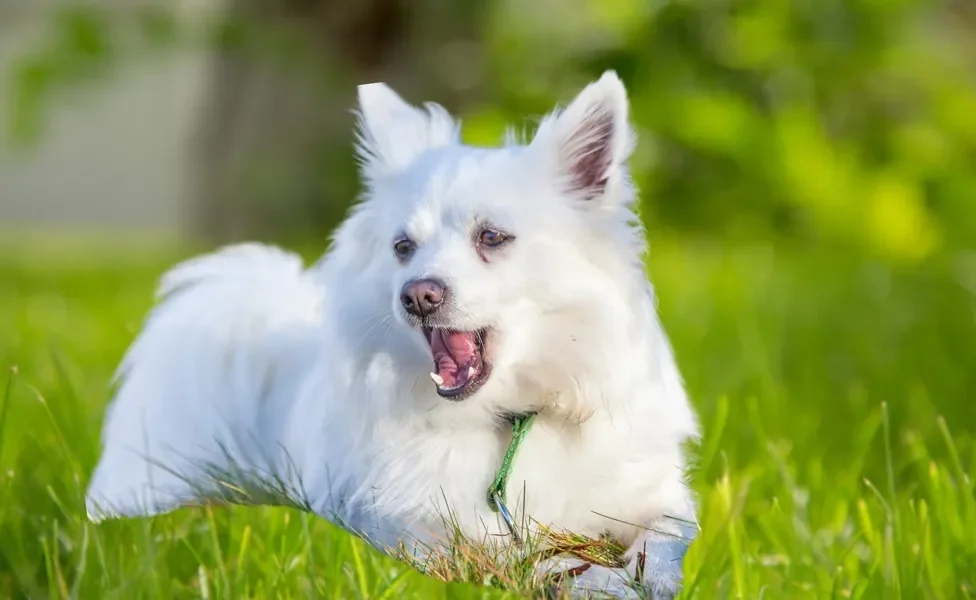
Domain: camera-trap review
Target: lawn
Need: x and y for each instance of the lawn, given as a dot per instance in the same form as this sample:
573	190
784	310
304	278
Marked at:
837	396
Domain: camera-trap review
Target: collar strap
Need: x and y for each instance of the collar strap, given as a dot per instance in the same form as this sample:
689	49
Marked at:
496	493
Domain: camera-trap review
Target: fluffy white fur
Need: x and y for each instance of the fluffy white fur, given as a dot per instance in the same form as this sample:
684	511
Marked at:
251	362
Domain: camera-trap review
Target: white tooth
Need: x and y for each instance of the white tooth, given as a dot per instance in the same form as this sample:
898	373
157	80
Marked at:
437	379
471	372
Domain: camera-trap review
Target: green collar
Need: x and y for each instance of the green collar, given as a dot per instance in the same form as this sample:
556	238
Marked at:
496	493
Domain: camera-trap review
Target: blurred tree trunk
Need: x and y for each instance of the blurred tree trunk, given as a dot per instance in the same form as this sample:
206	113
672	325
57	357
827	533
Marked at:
275	146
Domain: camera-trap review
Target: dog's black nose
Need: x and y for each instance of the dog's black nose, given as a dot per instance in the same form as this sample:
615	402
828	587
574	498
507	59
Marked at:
422	297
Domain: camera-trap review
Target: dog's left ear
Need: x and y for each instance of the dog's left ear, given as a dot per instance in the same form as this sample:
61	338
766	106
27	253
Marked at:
392	133
590	141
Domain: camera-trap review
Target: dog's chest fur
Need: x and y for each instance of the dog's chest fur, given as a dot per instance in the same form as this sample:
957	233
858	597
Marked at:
560	476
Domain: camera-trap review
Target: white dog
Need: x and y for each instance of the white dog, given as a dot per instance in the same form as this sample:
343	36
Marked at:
471	289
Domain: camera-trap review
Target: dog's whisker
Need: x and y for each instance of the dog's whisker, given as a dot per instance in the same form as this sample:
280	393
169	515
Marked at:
383	323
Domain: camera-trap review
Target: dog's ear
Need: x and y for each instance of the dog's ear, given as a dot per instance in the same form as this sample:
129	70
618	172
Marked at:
590	141
392	134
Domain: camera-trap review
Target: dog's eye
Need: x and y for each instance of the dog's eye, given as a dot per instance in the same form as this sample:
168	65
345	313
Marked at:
404	248
492	238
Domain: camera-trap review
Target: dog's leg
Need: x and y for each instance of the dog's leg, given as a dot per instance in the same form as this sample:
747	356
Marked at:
654	566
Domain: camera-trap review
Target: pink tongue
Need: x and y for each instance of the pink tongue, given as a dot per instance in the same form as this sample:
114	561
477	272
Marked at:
453	353
460	345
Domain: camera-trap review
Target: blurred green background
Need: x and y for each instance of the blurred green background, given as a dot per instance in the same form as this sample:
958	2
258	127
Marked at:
831	121
808	177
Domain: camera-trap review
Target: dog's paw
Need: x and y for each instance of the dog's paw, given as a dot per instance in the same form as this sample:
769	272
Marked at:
660	580
584	580
659	569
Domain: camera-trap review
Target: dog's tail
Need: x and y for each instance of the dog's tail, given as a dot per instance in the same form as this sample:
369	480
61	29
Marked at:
204	390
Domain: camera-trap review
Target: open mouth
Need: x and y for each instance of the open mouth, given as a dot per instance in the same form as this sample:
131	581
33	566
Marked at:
460	366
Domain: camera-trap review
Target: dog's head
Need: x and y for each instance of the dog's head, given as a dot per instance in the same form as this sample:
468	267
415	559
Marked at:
511	268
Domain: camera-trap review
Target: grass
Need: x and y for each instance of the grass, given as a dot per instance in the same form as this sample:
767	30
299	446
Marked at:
837	395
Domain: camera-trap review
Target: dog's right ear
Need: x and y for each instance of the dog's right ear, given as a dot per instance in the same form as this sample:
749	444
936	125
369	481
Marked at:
392	134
